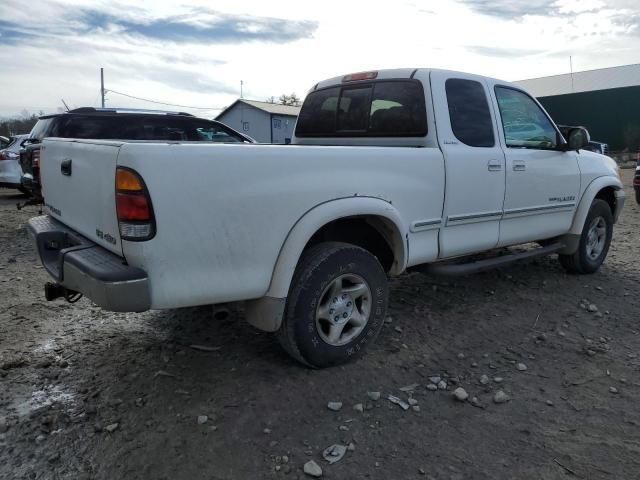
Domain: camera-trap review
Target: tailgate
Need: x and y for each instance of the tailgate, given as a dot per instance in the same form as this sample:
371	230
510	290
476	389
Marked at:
78	186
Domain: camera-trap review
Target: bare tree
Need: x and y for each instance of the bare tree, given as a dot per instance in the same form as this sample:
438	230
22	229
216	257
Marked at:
292	99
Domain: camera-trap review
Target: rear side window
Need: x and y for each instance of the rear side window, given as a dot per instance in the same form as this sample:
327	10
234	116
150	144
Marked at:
140	127
372	109
469	112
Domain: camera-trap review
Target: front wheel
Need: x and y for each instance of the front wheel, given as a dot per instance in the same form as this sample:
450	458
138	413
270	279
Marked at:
336	305
594	240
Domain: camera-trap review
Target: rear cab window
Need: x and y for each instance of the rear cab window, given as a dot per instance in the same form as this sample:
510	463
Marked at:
381	108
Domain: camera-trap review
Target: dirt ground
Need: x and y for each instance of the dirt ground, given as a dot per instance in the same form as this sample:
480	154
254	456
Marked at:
88	394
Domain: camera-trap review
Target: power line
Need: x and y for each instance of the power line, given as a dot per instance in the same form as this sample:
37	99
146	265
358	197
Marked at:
161	103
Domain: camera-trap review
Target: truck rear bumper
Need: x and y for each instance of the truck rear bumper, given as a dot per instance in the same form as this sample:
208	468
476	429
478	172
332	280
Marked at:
79	264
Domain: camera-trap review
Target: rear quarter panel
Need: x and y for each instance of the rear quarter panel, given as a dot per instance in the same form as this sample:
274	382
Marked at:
223	212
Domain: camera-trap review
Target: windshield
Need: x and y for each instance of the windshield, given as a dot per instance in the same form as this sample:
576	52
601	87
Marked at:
41	128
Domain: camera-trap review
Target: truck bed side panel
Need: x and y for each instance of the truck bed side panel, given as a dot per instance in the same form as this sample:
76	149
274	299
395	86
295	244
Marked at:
223	212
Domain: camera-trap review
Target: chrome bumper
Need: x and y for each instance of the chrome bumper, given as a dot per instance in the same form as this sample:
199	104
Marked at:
81	265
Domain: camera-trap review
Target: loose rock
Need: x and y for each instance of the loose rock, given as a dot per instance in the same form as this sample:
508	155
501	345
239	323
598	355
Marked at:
375	396
334	453
358	407
432	387
435	380
460	394
501	397
335	406
409	388
312	469
521	366
484	379
112	428
592	308
442	385
202	419
613	389
397	401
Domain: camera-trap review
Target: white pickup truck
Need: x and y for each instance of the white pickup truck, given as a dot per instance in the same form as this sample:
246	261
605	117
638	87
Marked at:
388	170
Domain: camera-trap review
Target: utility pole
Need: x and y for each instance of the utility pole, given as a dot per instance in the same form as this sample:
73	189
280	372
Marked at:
102	85
571	70
241	84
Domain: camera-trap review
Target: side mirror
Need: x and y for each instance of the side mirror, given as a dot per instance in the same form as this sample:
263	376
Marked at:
578	138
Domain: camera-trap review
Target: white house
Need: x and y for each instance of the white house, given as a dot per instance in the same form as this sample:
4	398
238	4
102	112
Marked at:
263	121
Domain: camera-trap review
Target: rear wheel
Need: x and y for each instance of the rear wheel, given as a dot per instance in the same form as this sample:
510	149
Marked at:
594	240
336	305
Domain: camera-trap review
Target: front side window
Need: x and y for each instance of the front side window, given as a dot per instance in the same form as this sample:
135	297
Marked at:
525	123
469	112
369	109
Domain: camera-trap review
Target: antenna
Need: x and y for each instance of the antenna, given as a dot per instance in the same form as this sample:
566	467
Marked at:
65	104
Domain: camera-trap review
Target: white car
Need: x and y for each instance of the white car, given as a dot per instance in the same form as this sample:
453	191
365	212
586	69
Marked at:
388	170
10	171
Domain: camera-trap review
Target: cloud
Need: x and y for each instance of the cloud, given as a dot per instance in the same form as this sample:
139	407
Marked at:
503	52
510	9
629	21
198	25
11	33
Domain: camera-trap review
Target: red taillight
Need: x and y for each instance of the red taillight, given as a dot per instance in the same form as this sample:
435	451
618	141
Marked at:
3	155
35	162
35	157
353	77
133	206
636	181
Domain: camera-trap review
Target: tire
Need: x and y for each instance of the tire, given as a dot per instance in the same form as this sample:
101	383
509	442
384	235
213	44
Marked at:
637	195
591	253
341	281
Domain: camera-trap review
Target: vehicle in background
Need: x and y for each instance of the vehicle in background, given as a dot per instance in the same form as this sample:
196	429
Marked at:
598	147
636	181
10	171
118	124
4	142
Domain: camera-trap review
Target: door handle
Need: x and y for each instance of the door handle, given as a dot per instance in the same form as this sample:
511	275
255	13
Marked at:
494	165
519	166
65	167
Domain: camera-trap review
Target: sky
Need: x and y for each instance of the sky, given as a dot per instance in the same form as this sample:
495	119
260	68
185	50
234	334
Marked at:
195	53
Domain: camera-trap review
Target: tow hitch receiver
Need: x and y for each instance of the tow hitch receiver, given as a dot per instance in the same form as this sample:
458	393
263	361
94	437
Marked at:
52	291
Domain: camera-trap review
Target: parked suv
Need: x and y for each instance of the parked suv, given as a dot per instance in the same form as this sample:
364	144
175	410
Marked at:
118	124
